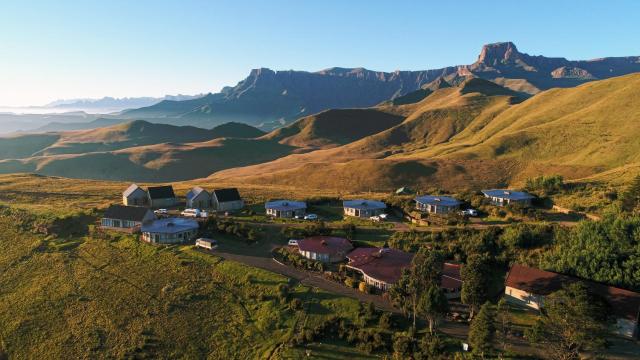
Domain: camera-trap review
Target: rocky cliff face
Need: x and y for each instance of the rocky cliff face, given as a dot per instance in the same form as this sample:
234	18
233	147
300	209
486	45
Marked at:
270	98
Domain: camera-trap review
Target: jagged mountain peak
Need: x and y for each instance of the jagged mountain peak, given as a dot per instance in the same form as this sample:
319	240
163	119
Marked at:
498	53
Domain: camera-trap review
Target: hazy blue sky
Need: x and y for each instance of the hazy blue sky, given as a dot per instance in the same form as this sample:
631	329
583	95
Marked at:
69	49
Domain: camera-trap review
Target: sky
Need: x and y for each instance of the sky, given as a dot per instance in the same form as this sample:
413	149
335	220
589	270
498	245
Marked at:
62	49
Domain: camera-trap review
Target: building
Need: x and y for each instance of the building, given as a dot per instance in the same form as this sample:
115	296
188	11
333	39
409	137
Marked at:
437	204
528	287
198	198
126	218
285	208
363	208
502	197
324	248
205	243
226	200
169	231
161	196
382	268
135	196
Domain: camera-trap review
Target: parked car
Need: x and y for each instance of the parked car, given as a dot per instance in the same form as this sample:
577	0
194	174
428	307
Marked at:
293	242
205	243
161	212
469	212
311	217
204	214
190	213
376	218
383	216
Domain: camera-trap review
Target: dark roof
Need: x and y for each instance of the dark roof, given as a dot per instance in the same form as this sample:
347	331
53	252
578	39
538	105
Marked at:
624	303
438	200
161	192
364	204
225	195
121	212
508	194
386	265
284	205
324	245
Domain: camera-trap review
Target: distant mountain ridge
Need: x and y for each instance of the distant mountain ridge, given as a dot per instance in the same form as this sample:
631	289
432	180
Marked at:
270	99
115	104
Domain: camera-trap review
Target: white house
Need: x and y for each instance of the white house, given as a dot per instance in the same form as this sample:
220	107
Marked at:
503	197
198	198
437	204
134	196
285	208
363	208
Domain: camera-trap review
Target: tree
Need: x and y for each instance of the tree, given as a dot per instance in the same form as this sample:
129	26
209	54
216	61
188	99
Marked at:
433	305
482	331
572	321
503	318
475	280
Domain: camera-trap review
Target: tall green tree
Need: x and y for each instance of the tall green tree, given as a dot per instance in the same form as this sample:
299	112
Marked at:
482	331
475	281
433	305
572	321
503	319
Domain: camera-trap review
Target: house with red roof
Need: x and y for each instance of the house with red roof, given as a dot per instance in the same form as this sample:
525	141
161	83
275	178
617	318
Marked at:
382	268
528	286
324	248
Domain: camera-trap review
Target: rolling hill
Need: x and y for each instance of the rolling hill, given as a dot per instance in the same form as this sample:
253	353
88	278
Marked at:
269	99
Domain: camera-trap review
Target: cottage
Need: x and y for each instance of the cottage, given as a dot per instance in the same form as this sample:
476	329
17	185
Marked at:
161	196
134	196
437	204
285	208
169	231
502	197
363	208
382	268
126	218
198	198
226	200
528	286
205	243
324	248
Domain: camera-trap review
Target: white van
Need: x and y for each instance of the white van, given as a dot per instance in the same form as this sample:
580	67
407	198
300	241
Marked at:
190	213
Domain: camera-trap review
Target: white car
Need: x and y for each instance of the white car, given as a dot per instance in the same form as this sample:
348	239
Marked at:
293	242
469	212
376	218
204	214
383	216
190	213
161	212
311	217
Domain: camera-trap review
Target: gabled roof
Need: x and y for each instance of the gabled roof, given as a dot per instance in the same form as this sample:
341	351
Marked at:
285	205
131	189
170	225
130	213
325	245
195	192
438	200
363	204
624	303
161	192
225	195
508	194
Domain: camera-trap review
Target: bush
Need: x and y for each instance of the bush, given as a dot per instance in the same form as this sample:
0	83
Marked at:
363	287
295	304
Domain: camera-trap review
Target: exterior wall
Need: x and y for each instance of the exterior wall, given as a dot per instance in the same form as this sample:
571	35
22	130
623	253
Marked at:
202	201
315	256
435	209
137	198
160	203
287	214
523	298
169	238
205	244
366	213
378	284
228	205
497	201
117	223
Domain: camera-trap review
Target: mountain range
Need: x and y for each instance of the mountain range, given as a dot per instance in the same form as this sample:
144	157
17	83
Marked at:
110	104
269	99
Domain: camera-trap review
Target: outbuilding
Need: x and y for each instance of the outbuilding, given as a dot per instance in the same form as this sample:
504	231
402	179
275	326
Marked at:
169	231
326	249
528	287
205	243
198	198
437	204
126	218
161	196
504	197
226	200
363	208
135	196
285	208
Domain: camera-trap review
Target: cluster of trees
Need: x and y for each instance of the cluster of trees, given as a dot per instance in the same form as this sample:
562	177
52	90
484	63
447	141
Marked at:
294	259
630	199
312	229
231	227
545	184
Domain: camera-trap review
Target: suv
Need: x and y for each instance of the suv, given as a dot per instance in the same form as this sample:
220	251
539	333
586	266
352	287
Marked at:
469	212
311	217
161	212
